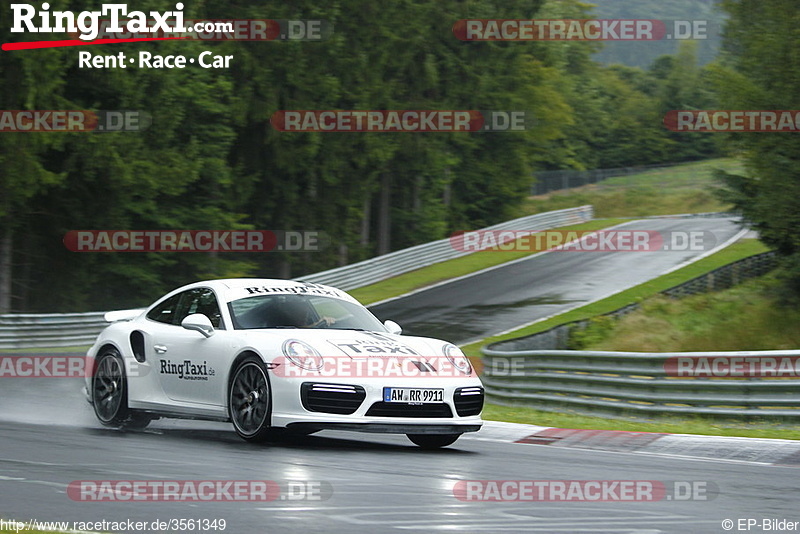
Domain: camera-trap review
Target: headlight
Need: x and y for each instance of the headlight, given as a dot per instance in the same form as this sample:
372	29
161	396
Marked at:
302	354
457	358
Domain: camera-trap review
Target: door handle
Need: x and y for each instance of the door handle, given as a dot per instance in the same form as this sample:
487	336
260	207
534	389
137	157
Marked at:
160	349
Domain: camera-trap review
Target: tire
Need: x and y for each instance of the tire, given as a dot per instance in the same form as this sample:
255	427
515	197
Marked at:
138	420
250	400
433	441
110	394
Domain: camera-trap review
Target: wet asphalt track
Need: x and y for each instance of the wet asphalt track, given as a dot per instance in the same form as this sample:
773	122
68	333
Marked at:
379	483
496	300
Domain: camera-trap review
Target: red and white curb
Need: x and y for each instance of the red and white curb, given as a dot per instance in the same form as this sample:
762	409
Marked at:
781	452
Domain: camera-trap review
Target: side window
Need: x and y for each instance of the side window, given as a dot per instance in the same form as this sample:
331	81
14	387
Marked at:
165	312
201	300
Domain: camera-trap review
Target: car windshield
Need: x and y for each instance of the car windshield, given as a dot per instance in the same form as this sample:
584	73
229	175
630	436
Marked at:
301	311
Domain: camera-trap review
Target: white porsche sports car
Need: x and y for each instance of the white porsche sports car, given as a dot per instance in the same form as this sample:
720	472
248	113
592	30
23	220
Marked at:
279	354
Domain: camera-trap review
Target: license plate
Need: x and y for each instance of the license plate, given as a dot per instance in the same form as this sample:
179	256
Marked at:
413	395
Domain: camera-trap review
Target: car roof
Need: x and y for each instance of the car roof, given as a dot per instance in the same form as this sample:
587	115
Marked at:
229	289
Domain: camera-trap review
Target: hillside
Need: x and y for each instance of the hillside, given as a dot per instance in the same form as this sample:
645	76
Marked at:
642	54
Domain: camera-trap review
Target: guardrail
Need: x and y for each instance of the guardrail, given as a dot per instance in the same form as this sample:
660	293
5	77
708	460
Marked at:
21	331
25	330
402	261
703	215
641	384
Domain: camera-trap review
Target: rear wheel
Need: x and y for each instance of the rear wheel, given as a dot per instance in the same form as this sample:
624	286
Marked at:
250	400
110	394
433	441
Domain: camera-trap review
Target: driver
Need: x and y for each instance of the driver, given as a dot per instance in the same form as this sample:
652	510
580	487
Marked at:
302	315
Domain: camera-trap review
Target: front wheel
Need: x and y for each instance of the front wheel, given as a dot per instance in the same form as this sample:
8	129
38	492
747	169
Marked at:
433	441
110	394
250	400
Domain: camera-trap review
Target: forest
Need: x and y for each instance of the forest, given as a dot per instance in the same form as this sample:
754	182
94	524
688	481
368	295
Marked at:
210	160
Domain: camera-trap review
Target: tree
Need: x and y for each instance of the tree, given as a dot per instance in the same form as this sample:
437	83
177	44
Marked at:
27	82
760	72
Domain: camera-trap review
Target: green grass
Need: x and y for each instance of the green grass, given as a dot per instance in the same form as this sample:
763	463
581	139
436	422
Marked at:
671	425
714	321
745	317
737	251
685	188
446	270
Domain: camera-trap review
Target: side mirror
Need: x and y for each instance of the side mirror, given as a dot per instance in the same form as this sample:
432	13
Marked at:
393	327
198	322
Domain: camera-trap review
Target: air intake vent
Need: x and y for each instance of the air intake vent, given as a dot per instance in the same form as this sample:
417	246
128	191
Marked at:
468	401
396	409
342	399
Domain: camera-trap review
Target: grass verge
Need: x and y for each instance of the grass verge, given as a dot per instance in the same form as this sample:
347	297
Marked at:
454	268
737	251
687	188
749	316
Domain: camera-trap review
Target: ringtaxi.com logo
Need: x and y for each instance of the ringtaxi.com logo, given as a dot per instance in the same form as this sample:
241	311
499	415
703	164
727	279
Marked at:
198	490
27	19
583	490
115	22
123	26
